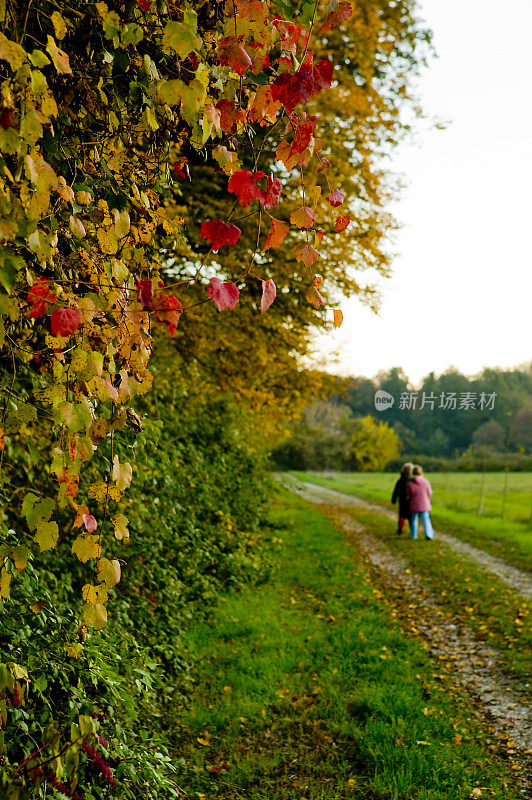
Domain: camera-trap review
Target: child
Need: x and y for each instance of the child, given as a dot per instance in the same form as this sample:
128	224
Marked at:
400	493
420	492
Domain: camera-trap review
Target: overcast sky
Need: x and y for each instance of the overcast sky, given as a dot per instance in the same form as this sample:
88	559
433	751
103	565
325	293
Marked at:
462	286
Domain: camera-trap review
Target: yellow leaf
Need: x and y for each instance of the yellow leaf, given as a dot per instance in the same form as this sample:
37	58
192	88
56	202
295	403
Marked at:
99	491
96	616
46	535
74	650
338	317
94	594
109	572
86	546
60	28
120	522
122	474
5	584
13	53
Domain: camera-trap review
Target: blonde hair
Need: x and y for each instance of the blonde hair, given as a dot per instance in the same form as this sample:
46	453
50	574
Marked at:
417	470
406	469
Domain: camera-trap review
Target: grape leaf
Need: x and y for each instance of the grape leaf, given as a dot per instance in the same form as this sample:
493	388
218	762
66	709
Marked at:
341	222
86	546
225	295
303	217
95	615
46	535
219	233
338	317
122	474
335	198
109	571
276	234
269	294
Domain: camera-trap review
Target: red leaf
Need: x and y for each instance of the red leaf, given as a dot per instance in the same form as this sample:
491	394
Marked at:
65	321
335	198
219	233
243	183
342	13
145	293
276	234
180	167
232	54
269	293
341	223
168	309
225	295
144	4
273	192
290	35
40	297
322	73
229	114
90	522
290	90
6	119
324	165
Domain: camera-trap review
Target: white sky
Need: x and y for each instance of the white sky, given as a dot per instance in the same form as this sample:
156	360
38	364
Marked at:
463	274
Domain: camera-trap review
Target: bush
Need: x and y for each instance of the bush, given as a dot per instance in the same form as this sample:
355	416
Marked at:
194	514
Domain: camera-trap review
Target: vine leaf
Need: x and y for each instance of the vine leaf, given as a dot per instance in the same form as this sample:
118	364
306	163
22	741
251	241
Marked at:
218	233
225	295
269	293
276	234
122	474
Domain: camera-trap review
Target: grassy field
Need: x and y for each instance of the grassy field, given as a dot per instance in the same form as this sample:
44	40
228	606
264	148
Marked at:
455	506
308	690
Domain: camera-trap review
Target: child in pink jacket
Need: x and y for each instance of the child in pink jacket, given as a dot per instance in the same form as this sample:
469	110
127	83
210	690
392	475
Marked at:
420	492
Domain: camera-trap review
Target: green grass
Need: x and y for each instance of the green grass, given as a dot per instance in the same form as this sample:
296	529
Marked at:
455	506
307	689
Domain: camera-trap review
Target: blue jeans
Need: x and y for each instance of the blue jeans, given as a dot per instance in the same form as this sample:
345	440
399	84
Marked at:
427	525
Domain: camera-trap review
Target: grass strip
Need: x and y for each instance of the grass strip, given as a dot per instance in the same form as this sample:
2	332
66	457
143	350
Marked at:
308	690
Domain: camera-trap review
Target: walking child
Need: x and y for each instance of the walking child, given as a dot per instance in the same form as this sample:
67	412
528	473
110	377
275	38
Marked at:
401	494
420	492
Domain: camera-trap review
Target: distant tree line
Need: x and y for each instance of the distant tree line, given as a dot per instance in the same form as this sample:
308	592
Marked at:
450	422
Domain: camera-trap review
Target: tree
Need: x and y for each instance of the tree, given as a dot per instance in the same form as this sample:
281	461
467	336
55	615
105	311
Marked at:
373	445
490	434
521	430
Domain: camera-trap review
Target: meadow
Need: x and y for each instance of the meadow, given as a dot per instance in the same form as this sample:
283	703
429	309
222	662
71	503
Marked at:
471	506
308	688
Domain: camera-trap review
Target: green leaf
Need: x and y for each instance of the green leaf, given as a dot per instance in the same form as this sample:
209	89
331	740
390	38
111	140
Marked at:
181	37
39	59
23	415
30	128
170	92
10	141
10	265
131	34
37	511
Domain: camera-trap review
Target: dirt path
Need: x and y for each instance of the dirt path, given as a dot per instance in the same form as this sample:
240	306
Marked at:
519	581
472	663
